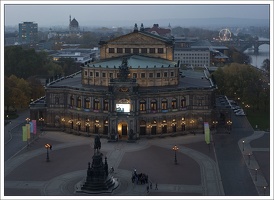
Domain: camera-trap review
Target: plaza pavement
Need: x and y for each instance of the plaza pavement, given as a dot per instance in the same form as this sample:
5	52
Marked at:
197	174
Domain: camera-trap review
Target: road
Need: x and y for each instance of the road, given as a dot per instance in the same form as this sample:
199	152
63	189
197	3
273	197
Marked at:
234	172
13	135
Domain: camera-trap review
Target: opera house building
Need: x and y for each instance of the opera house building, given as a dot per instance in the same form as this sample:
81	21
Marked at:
134	90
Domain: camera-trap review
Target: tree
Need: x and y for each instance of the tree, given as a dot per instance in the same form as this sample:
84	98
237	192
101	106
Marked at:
266	65
17	92
243	81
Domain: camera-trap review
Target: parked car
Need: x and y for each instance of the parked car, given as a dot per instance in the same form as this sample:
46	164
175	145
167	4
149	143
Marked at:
240	113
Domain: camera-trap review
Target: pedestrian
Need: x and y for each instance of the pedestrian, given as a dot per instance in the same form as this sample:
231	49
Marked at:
147	189
156	186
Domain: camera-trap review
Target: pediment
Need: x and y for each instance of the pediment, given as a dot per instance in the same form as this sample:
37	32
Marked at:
136	38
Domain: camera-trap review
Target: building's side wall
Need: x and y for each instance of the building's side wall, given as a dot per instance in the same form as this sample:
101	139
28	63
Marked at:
144	77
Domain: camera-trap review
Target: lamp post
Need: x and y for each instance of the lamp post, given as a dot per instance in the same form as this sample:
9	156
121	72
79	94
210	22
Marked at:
150	129
215	125
63	121
70	122
27	120
87	127
48	146
256	172
175	148
247	107
41	120
79	126
249	158
229	123
192	123
243	145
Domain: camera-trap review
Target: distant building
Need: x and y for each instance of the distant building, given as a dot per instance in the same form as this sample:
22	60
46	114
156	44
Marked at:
166	32
28	33
73	25
81	56
191	52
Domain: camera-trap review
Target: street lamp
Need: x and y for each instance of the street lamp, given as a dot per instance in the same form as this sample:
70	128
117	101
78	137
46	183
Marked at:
192	123
28	120
243	145
70	122
48	146
79	126
247	107
150	129
249	158
215	125
175	148
63	121
87	127
229	123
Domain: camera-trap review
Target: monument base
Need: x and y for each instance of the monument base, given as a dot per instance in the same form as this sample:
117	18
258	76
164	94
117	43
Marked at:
85	190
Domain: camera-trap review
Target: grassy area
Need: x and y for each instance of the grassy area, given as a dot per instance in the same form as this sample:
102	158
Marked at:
259	118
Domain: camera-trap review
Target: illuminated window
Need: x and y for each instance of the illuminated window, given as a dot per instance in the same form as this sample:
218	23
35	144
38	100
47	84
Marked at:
174	103
153	105
87	103
96	104
164	104
142	105
79	102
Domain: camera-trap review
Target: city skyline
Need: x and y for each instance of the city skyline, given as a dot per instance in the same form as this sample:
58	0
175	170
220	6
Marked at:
125	15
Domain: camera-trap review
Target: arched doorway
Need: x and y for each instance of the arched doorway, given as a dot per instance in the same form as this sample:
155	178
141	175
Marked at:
122	130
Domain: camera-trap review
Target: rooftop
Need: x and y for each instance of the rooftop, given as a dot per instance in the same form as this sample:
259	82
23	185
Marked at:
189	80
134	61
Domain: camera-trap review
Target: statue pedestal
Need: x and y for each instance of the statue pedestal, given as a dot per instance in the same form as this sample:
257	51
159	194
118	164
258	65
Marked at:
98	180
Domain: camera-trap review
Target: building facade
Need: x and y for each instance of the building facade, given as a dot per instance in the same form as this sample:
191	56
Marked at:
28	33
134	90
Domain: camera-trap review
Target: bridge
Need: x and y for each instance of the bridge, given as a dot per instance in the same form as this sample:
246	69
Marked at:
243	45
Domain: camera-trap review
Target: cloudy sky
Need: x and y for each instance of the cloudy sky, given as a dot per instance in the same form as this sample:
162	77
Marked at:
49	15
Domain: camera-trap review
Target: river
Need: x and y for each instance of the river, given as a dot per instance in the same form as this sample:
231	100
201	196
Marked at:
257	60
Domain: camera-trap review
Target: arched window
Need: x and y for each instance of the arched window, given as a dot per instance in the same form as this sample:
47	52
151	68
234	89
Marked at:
79	102
105	105
164	104
174	103
96	104
142	105
183	102
87	103
153	105
71	100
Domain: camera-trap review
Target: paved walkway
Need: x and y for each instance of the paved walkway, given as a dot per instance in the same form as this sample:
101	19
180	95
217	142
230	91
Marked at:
63	184
251	162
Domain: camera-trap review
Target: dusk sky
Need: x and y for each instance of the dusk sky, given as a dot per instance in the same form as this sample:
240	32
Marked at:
55	15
